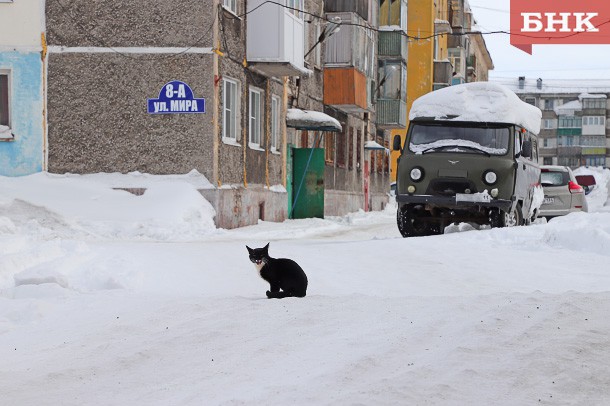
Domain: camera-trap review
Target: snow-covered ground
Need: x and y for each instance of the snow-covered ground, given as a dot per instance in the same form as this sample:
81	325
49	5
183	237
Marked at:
107	298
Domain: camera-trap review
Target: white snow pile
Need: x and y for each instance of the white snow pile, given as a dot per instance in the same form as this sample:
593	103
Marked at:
60	205
486	102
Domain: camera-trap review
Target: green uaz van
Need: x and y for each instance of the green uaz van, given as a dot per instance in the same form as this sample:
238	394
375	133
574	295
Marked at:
470	155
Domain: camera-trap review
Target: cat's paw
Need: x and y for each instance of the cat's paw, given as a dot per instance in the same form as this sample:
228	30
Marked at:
269	294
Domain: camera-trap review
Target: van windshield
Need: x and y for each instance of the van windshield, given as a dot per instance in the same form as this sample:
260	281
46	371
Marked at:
462	139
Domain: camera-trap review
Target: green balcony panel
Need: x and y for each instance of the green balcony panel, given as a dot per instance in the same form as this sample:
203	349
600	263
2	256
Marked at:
391	114
392	44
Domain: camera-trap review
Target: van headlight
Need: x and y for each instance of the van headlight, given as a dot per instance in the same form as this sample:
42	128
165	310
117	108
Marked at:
490	177
417	174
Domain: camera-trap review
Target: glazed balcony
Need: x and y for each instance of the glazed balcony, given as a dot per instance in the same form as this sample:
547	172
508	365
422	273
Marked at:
275	40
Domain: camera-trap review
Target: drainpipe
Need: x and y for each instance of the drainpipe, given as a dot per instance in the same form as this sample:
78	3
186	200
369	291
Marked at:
215	114
45	148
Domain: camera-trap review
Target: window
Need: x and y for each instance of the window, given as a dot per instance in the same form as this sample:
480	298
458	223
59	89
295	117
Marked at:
392	80
5	117
230	5
548	104
570	122
275	123
530	100
329	147
255	122
548	123
341	148
594	103
295	7
393	12
230	109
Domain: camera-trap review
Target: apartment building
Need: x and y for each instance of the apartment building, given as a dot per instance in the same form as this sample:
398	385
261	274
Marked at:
574	129
275	103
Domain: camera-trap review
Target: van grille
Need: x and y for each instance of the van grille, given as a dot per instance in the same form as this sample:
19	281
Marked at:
449	187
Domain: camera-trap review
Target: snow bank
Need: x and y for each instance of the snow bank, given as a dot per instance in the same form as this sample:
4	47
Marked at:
599	195
64	205
478	102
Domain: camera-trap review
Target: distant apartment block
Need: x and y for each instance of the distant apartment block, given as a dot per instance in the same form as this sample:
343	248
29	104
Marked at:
575	130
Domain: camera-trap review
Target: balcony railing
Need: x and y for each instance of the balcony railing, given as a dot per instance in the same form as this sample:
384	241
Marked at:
391	114
393	44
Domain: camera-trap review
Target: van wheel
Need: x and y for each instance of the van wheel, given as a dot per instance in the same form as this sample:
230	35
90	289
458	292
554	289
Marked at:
499	218
511	218
412	223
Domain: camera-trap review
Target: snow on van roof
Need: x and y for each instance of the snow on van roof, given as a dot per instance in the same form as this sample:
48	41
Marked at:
485	102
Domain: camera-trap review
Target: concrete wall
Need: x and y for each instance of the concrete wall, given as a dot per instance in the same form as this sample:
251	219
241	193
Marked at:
98	91
98	121
239	207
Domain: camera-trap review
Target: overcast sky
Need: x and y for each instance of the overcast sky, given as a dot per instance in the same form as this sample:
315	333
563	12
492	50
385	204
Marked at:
547	61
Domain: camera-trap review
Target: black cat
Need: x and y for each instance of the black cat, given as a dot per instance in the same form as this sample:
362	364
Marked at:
281	273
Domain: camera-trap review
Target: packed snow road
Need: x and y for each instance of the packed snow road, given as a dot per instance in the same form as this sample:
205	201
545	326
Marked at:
105	298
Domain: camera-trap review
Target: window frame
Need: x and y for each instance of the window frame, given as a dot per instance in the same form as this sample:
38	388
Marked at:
256	115
295	8
230	5
233	109
276	113
5	99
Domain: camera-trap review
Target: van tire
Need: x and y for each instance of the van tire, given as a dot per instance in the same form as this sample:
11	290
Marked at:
411	222
512	218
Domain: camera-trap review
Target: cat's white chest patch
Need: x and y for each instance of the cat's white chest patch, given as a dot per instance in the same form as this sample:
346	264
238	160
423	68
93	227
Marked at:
259	267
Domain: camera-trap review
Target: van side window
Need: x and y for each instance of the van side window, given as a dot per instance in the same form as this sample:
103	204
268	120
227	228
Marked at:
518	142
534	149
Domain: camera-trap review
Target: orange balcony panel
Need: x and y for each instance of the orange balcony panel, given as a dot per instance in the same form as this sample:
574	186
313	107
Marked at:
345	89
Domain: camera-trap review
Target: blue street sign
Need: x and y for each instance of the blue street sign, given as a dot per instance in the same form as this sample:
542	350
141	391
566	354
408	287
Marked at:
176	97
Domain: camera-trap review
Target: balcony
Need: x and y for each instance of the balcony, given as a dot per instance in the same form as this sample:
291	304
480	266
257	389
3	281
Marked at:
392	44
360	7
569	151
348	65
346	89
443	73
594	150
275	40
442	27
391	114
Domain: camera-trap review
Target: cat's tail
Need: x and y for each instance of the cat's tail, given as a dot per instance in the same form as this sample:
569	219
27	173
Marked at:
283	294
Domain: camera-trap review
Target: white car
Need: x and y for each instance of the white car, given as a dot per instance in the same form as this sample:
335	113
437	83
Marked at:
562	193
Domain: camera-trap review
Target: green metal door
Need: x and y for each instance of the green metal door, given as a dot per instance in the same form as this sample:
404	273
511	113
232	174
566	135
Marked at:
307	195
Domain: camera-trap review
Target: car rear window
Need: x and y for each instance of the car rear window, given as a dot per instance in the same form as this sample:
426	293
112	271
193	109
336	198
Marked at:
548	178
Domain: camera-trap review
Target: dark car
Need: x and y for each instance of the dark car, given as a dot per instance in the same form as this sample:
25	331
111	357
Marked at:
587	182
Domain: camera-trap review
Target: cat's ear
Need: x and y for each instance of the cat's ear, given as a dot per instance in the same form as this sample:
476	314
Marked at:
266	248
249	249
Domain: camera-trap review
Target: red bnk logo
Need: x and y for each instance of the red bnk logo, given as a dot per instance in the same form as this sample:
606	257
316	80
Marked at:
559	22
